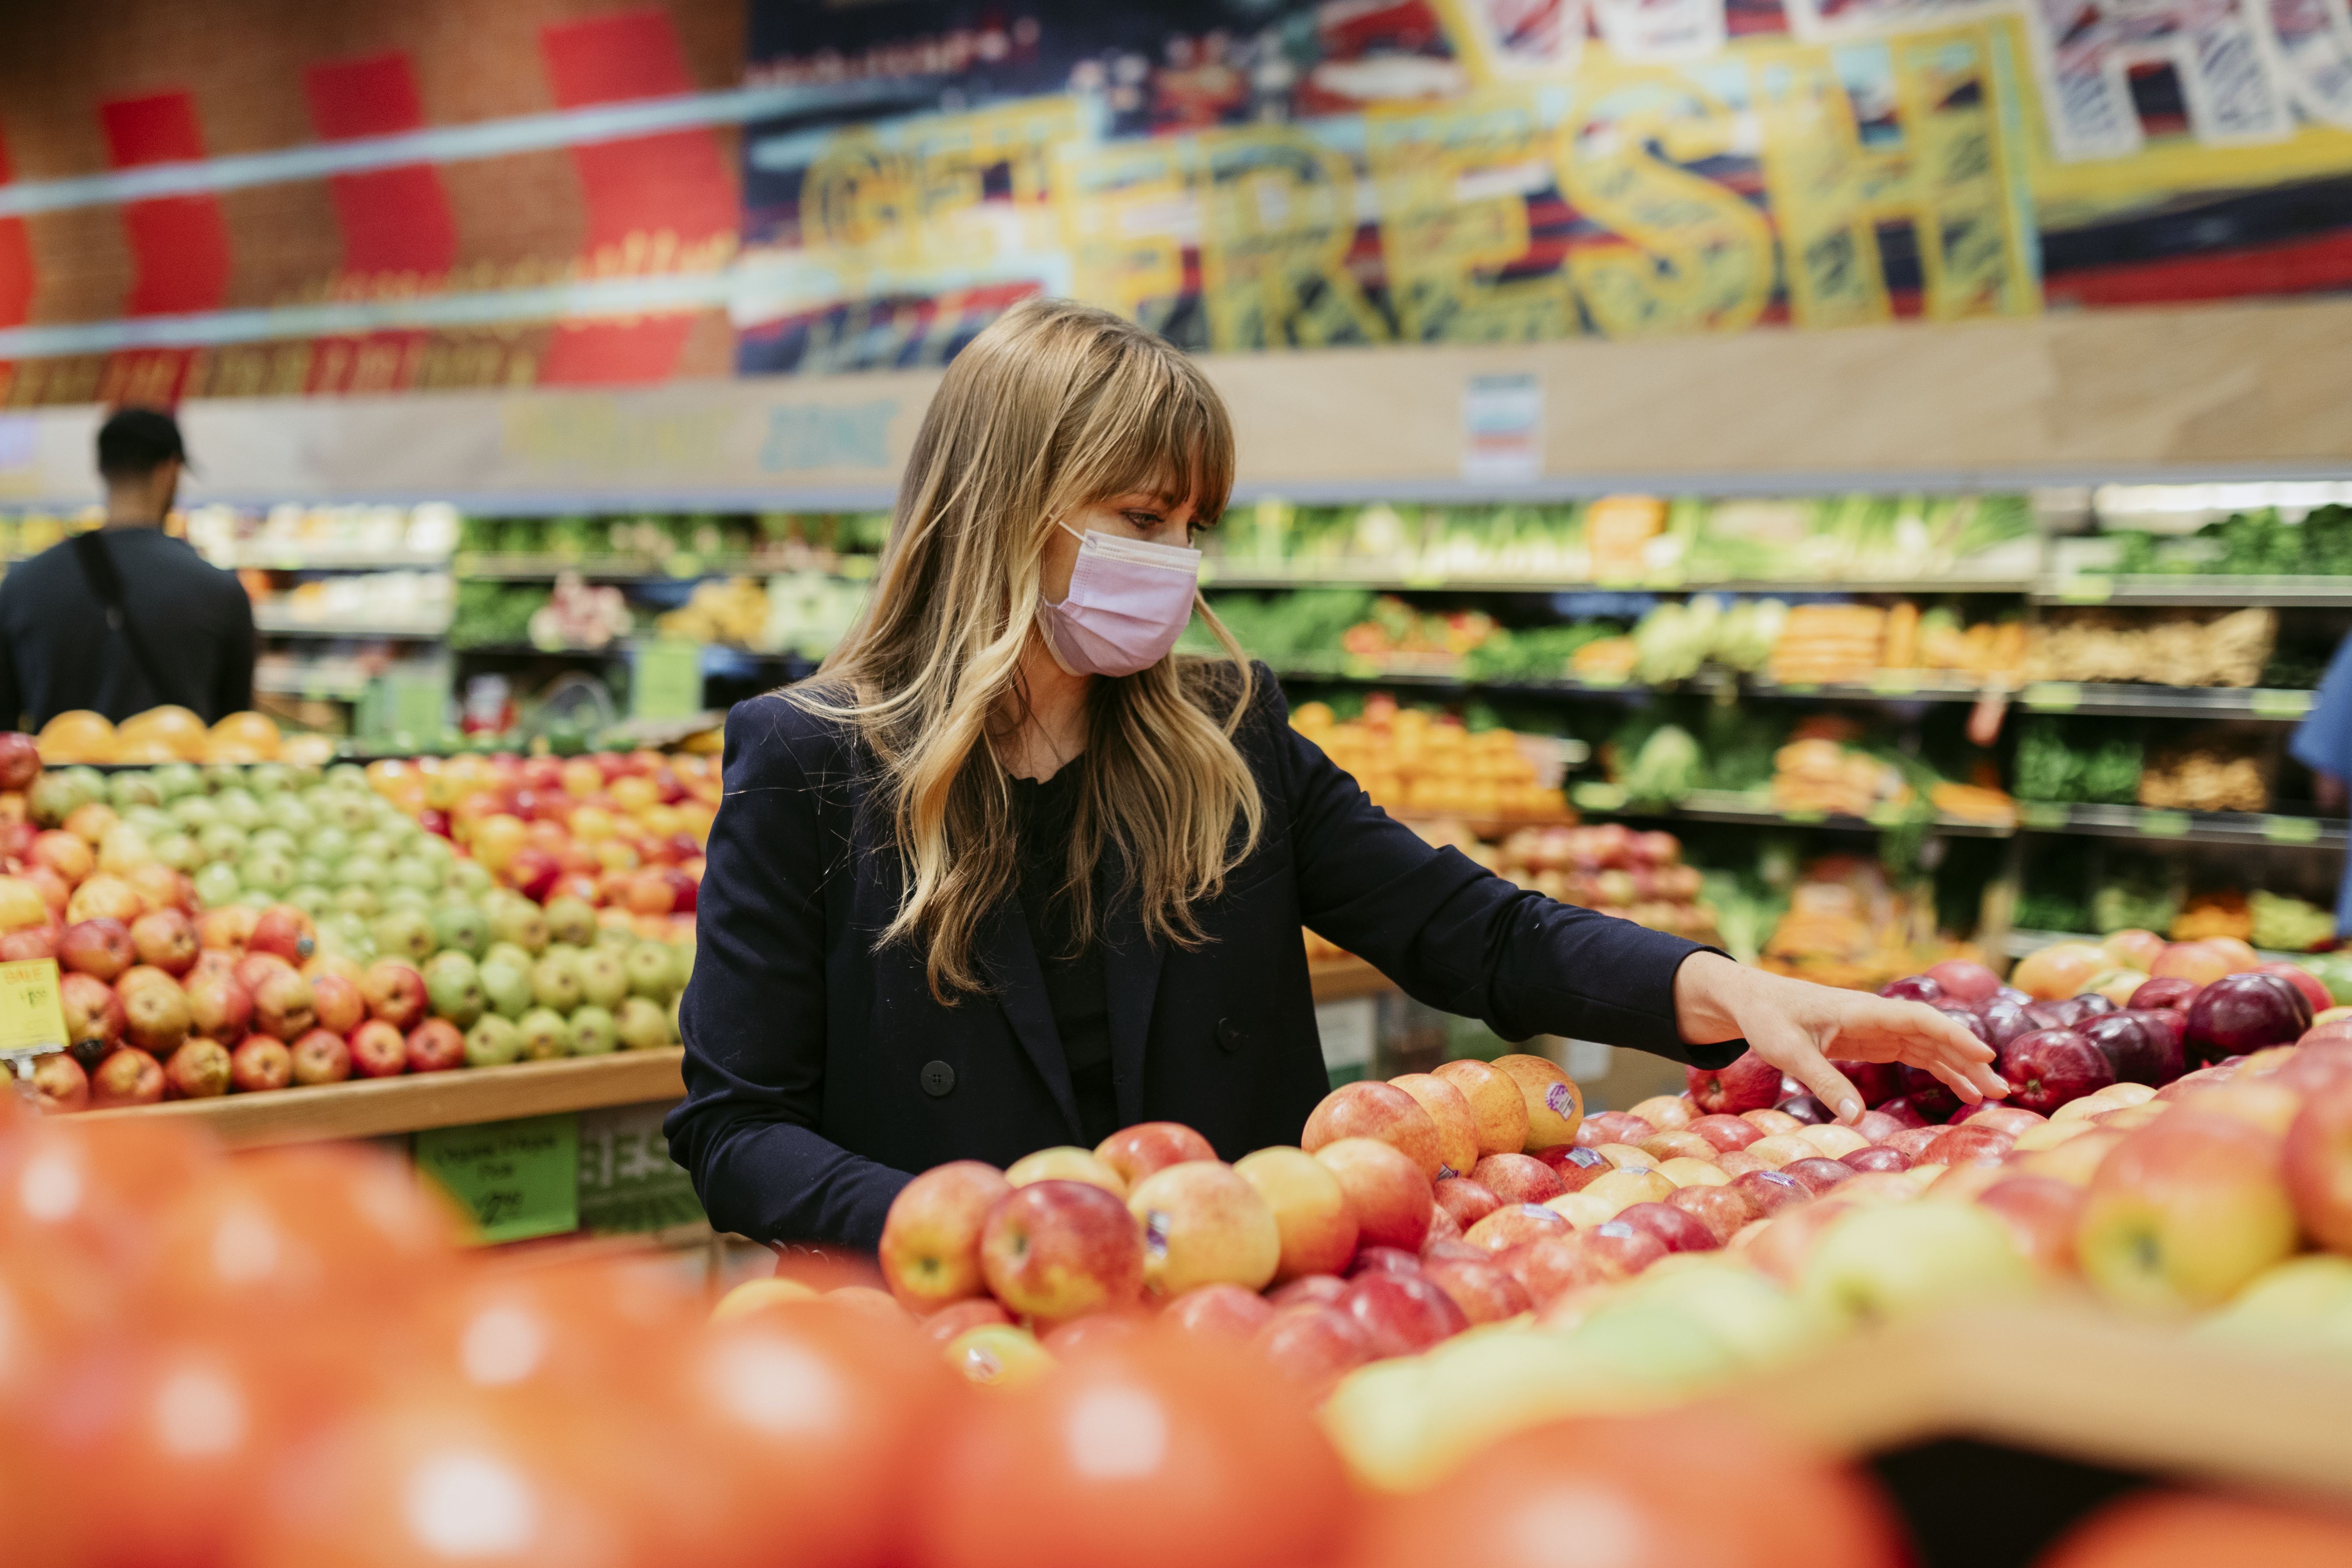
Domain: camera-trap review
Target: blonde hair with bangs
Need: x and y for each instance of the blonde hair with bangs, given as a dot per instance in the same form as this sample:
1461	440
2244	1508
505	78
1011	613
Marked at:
1055	407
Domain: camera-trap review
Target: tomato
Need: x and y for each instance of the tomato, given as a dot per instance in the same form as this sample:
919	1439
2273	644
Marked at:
1150	1452
1635	1492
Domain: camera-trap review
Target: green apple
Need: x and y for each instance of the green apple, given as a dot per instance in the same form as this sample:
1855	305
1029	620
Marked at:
267	779
592	1032
454	988
1896	1260
545	1034
620	938
219	776
195	812
257	899
463	927
572	922
217	884
272	840
295	815
522	923
177	850
493	1042
469	877
341	932
408	899
267	872
125	790
347	776
603	980
173	780
555	979
329	843
420	872
359	871
505	982
507	952
359	901
373	843
239	809
443	854
2183	1213
219	841
405	934
350	814
2303	1305
316	872
652	972
310	898
151	822
643	1025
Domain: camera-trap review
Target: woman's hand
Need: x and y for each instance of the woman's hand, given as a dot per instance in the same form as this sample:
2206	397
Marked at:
1800	1028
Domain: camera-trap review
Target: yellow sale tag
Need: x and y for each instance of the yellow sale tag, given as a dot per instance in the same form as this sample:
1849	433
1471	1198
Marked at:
31	1015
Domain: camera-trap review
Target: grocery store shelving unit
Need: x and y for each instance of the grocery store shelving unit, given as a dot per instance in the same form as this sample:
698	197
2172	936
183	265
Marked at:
278	624
369	1108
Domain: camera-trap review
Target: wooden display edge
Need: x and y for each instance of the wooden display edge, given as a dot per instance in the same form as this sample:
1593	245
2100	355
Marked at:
1344	979
373	1106
2070	1379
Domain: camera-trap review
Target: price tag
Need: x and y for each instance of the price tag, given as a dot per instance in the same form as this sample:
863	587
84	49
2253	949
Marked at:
1603	680
2041	814
516	1179
1799	689
2271	703
2087	591
628	1182
1886	816
1804	814
2164	824
2291	829
1356	667
466	563
666	680
1894	682
1421	577
685	564
31	1018
1599	796
2051	696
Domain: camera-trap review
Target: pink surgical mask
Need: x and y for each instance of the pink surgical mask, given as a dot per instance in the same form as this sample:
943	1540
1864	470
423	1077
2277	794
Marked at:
1128	603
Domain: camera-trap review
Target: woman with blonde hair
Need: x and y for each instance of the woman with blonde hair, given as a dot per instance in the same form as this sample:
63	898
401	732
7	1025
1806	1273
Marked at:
1009	873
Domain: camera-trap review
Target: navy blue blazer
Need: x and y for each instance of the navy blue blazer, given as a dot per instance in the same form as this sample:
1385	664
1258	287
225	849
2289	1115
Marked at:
820	1072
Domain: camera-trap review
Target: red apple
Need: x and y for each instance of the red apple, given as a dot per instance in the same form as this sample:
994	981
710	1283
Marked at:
1675	1229
69	857
218	1008
1819	1175
1466	1199
1747	1083
2303	980
1137	1151
126	1076
284	1004
1401	1313
20	760
1486	1292
1878	1157
320	1056
1389	1194
395	993
99	948
2184	1212
1576	1168
1311	1211
1515	1222
1449	1110
336	998
285	931
1313	1289
1498	1107
155	1017
1204	1225
1874	1125
1876	1082
1767	1192
2042	1213
1370	1109
1313	1345
1219	1312
1056	1251
2172	992
1968	1146
93	1011
1963	980
226	928
2243	1012
1614	1127
1384	1260
1520	1178
1915	1141
253	968
60	1086
930	1238
1723	1210
2318	1163
2012	1120
379	1049
1452	1249
1550	1266
1620	1250
199	1069
261	1063
165	937
436	1046
30	942
2046	1068
1899	1110
1726	1133
950	1322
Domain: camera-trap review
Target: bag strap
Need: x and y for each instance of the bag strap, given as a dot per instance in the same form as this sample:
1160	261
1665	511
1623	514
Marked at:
106	586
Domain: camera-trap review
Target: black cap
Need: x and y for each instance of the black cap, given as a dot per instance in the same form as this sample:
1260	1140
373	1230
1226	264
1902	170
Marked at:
137	441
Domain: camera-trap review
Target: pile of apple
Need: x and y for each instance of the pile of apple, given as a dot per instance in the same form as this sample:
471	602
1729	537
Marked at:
623	831
1345	1249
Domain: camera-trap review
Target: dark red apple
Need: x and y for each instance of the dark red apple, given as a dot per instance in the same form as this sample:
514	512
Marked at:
2001	1021
1914	988
379	1050
1401	1313
1898	1111
2142	1044
436	1046
20	760
1768	1191
261	1063
2171	991
2239	1014
1676	1230
1968	1019
1466	1200
320	1056
1722	1209
1819	1175
1878	1157
1878	1082
99	948
1928	1095
1727	1133
1747	1083
1804	1107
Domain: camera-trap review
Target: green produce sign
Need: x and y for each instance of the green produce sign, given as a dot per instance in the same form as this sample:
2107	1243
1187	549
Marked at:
516	1179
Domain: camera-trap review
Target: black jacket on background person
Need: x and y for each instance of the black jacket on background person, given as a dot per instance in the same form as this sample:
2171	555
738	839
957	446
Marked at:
820	1072
57	652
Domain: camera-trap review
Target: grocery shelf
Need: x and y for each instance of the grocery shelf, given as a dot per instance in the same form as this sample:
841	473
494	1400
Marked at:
679	566
2285	704
369	1108
2229	593
310	687
1341	979
1734	806
298	556
2063	1377
2018	943
277	623
1398	577
2246	828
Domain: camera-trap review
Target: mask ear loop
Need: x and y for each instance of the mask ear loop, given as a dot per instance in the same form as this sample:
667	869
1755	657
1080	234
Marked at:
1043	622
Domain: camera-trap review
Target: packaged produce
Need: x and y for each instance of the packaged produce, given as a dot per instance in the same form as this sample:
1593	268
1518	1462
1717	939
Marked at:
2217	776
579	617
733	611
2214	914
1847	925
1821	775
1412	763
1825	644
2182	649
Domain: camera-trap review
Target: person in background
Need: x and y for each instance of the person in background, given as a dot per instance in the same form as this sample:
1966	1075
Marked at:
126	617
2323	742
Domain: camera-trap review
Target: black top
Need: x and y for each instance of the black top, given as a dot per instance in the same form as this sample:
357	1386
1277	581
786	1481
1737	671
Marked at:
1043	819
820	1071
57	651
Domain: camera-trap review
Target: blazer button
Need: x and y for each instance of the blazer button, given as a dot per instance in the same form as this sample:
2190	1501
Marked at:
938	1079
1229	1035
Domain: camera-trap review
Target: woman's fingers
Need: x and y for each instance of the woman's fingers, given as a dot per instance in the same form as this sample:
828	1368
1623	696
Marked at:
1795	1055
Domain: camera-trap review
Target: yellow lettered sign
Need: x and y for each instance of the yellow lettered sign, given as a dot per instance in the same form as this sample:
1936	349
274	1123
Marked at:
31	1015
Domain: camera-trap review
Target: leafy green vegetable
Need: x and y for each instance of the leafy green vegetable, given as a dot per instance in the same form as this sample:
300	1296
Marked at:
1666	767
